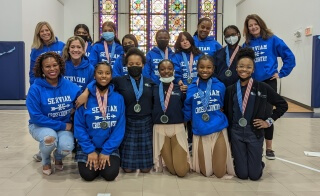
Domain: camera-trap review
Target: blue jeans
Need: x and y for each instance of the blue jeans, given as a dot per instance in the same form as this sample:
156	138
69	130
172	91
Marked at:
63	142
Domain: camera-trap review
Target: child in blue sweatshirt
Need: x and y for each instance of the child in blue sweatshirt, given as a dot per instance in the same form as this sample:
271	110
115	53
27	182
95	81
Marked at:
82	31
157	54
267	48
210	148
44	40
108	48
205	42
50	101
100	128
78	68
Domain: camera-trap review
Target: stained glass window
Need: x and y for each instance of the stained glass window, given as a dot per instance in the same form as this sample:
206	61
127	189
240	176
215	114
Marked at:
108	11
147	17
208	8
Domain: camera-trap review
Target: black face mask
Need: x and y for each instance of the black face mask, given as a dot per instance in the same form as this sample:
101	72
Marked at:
135	71
127	47
102	88
162	44
84	37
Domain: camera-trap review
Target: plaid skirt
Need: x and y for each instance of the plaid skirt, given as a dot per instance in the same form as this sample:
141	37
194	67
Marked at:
136	148
83	157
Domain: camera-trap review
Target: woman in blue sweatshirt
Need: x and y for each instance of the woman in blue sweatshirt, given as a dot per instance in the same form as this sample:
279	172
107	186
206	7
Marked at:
157	54
245	105
100	128
267	48
44	40
119	67
210	149
108	48
225	59
78	68
82	31
205	42
169	138
50	101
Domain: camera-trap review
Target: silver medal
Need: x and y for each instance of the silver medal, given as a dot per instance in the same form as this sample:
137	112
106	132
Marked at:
137	108
228	73
189	80
242	122
205	117
164	119
104	125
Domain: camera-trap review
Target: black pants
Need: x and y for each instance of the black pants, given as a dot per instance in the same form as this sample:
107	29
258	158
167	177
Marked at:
247	152
109	173
190	134
269	131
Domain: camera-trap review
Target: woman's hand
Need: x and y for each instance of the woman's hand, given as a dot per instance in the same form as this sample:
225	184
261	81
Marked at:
103	159
92	161
69	126
260	124
275	76
82	99
183	87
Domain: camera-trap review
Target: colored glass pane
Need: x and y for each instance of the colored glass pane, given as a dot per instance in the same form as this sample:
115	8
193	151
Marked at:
108	11
208	8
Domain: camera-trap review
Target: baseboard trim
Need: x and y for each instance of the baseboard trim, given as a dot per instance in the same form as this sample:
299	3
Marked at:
298	103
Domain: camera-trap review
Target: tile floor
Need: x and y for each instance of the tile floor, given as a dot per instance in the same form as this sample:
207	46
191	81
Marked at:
20	175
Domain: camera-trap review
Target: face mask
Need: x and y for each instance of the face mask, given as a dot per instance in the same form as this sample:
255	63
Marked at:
108	36
100	87
84	37
167	80
162	44
232	40
127	47
135	71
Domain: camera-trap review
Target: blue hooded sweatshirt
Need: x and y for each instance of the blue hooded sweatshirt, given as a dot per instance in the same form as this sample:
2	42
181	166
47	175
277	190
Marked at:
50	106
56	47
266	52
150	69
119	68
98	53
82	74
88	51
87	123
208	46
181	70
193	108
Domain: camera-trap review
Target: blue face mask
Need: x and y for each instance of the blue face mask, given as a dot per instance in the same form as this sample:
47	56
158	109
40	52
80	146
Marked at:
108	36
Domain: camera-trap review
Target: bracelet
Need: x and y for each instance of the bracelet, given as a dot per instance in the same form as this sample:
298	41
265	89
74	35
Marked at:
270	121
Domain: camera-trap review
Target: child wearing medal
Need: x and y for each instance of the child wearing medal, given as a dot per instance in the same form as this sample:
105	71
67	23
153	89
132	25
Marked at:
108	48
169	137
210	148
245	107
100	128
225	58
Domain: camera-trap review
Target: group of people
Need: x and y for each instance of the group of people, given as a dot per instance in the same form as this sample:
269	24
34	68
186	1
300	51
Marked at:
121	108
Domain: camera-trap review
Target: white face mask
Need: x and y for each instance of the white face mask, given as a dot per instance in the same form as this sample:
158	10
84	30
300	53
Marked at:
167	80
232	40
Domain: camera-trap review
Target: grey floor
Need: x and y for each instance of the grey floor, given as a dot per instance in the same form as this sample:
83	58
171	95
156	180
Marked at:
20	175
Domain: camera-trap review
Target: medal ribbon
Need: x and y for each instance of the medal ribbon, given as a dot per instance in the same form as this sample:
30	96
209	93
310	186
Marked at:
102	106
137	92
205	96
108	56
164	54
229	61
165	103
185	60
243	103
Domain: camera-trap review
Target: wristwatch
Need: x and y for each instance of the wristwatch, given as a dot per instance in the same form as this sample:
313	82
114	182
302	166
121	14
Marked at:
270	121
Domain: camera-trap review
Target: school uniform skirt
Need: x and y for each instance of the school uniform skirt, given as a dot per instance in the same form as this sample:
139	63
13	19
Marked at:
136	147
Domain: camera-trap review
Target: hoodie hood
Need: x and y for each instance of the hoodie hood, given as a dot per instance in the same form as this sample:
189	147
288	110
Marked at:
83	65
43	82
156	50
208	38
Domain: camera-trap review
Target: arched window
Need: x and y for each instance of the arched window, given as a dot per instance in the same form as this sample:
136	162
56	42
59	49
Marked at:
108	11
208	8
147	17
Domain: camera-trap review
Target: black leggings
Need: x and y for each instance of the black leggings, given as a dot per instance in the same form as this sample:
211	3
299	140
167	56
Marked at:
268	132
109	173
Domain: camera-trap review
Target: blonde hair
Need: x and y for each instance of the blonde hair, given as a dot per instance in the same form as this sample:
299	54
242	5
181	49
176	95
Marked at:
264	31
65	52
37	41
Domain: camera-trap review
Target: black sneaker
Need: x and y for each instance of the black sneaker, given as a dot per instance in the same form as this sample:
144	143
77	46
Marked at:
270	154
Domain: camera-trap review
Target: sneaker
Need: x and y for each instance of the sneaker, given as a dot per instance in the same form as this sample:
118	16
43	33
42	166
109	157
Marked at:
270	154
37	157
